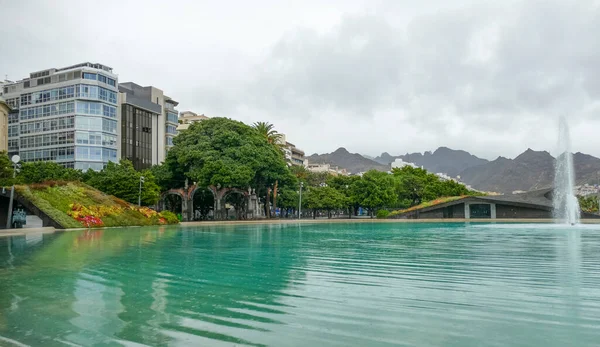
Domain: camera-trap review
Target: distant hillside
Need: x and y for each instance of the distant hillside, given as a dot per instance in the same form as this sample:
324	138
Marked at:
353	162
444	160
528	171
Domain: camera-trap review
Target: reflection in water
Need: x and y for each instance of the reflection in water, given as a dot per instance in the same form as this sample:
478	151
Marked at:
343	284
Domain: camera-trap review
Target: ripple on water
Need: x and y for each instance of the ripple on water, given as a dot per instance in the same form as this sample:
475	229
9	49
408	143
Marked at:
322	285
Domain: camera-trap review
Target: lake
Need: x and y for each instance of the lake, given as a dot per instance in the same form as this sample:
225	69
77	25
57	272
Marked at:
330	284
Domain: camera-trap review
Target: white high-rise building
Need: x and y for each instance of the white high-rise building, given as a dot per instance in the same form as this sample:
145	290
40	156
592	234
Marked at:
66	115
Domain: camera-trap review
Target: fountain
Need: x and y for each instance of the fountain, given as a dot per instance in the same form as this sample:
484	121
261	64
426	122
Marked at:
566	206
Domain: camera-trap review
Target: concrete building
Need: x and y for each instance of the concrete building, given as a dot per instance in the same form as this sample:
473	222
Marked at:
66	115
188	118
292	154
147	122
296	154
4	111
530	205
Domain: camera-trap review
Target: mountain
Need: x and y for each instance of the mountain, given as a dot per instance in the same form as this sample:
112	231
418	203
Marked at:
385	158
444	160
529	171
353	162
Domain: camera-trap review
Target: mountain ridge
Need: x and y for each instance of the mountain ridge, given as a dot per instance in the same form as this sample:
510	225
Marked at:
529	170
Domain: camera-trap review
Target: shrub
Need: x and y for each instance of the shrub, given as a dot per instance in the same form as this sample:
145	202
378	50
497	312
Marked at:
383	214
170	217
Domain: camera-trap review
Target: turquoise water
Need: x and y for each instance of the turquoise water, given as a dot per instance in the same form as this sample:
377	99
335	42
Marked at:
304	285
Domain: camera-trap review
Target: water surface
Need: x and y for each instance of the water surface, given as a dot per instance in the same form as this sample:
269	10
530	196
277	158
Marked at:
382	284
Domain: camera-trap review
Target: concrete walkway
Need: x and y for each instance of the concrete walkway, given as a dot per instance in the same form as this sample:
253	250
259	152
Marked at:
26	231
374	220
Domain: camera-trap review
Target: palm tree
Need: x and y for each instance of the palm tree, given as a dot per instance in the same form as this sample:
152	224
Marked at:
267	130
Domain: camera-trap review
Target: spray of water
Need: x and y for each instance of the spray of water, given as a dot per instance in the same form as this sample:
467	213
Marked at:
566	206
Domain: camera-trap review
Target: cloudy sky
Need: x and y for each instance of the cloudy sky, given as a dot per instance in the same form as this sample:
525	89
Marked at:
490	77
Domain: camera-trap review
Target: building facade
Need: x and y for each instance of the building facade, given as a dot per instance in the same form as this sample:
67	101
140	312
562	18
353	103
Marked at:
66	115
188	118
4	111
147	122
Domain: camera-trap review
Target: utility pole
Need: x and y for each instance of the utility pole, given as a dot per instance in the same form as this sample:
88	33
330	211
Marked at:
300	201
15	159
140	193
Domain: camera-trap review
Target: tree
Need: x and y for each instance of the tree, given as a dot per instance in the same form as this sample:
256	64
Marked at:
41	171
288	198
342	184
373	190
416	185
588	203
123	181
6	170
225	153
267	130
324	198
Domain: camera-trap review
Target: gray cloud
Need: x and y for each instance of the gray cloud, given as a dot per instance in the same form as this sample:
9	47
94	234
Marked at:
489	77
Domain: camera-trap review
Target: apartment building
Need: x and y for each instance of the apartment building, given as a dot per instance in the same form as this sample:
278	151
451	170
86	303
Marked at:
148	123
66	115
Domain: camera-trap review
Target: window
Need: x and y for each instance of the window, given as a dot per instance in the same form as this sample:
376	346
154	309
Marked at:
171	129
13	130
172	117
89	76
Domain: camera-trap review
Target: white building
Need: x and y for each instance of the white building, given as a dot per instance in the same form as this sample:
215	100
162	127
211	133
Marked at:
399	163
66	115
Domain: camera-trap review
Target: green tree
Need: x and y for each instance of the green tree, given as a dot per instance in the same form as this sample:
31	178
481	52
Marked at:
416	185
123	181
226	153
6	170
343	184
267	130
41	171
373	190
324	198
588	203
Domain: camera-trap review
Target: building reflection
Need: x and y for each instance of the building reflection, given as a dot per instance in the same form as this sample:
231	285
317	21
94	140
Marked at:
150	286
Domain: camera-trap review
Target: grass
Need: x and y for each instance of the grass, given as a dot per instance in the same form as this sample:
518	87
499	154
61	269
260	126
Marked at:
425	204
56	199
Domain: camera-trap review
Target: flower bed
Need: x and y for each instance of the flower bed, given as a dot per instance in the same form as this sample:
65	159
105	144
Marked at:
74	204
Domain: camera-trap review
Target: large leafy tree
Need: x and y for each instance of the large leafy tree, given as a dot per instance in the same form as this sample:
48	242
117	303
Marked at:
373	190
122	180
324	198
226	153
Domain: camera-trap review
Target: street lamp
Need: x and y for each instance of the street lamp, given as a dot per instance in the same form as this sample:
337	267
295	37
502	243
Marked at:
349	207
15	159
300	201
140	193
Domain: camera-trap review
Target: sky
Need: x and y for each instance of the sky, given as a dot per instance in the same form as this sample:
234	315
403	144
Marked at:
397	76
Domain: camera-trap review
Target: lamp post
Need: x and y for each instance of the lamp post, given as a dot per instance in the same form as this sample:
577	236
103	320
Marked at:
140	193
300	201
349	207
15	159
